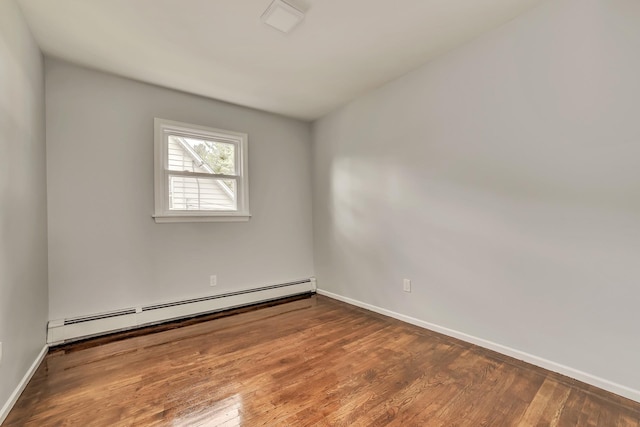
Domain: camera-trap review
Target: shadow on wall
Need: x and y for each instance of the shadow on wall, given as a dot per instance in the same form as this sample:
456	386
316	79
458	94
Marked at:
503	262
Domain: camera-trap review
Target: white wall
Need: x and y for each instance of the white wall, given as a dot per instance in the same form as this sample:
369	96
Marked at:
105	250
504	179
23	210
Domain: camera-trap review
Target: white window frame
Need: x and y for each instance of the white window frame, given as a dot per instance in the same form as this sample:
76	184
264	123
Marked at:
165	128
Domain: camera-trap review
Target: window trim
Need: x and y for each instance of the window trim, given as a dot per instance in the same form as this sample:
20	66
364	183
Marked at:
162	129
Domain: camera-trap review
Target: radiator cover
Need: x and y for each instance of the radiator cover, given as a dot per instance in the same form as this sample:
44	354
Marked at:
72	329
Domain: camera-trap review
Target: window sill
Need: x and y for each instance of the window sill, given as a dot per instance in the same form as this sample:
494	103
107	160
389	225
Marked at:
160	219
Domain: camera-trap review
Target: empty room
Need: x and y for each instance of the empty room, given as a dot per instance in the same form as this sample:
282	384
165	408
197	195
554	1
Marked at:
319	213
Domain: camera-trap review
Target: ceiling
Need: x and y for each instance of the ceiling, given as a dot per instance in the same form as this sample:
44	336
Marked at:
221	49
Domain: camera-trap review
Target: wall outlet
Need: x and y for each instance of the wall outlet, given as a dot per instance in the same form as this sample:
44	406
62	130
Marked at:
0	353
406	285
213	280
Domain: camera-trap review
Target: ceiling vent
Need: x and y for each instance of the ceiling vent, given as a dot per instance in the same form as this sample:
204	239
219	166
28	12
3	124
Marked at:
282	16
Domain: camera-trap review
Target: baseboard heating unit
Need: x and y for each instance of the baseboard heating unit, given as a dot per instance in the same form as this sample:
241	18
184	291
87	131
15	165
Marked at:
72	329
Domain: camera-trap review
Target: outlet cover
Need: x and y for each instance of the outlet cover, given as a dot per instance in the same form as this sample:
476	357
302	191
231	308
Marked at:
406	285
213	280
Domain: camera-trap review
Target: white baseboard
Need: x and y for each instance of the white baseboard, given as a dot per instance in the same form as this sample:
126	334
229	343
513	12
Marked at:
22	384
585	377
66	330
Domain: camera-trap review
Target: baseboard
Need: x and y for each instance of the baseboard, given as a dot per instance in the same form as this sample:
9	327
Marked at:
585	377
72	329
22	384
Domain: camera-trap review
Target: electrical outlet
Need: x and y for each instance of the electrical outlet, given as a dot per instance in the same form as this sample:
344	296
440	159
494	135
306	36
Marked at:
213	280
0	353
406	285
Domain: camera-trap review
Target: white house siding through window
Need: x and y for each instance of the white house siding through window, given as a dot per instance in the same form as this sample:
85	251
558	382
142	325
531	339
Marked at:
196	193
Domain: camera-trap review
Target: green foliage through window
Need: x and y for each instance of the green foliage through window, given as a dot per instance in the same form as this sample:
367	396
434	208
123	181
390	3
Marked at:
219	156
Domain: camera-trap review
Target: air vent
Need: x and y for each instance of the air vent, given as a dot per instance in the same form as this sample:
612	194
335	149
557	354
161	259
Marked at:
213	297
71	329
75	320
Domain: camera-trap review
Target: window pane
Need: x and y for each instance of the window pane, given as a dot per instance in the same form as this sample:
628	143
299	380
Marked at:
195	193
200	155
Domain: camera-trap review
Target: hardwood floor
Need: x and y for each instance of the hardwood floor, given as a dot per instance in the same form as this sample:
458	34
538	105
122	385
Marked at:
308	362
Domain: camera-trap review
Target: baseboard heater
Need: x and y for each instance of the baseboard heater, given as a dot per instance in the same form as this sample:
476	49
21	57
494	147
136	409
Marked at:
76	328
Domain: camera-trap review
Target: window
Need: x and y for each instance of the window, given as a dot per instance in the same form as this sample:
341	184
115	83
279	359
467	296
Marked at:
200	174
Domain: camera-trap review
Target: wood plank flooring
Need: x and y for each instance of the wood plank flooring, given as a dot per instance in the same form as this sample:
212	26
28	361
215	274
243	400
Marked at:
312	362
